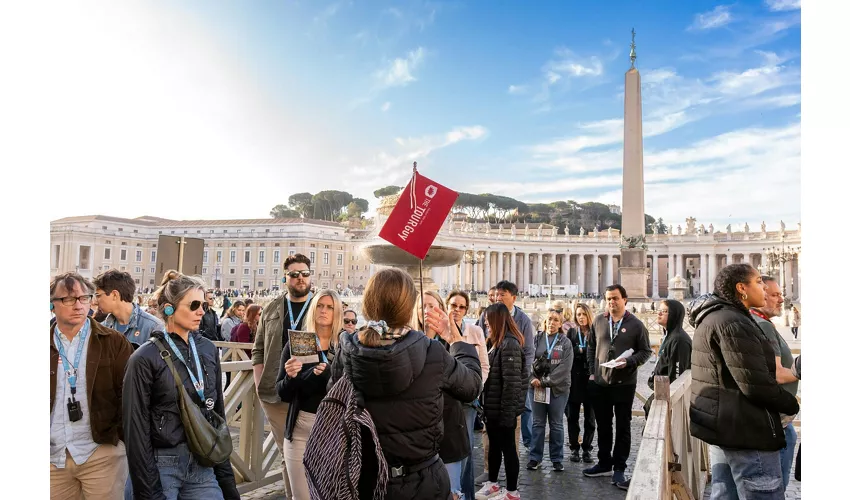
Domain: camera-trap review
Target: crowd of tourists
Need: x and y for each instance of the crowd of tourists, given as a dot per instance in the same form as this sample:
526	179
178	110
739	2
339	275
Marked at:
388	410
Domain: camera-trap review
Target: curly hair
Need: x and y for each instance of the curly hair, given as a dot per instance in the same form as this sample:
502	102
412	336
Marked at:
725	284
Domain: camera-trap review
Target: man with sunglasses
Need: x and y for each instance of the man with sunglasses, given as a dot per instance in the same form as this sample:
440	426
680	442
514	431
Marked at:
87	362
349	320
283	314
210	326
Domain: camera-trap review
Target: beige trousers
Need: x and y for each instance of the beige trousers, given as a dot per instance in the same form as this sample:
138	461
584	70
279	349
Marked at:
486	442
102	477
295	455
276	413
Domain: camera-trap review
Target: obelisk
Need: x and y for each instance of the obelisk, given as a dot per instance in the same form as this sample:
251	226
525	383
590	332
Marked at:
633	234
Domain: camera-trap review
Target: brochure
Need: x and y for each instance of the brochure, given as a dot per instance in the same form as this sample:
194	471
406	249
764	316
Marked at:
620	361
542	395
302	346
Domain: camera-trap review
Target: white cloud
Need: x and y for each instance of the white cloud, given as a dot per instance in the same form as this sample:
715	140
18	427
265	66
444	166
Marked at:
399	72
568	63
517	89
386	106
726	167
780	5
719	16
389	166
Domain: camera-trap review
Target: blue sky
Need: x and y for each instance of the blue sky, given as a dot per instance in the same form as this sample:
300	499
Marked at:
256	101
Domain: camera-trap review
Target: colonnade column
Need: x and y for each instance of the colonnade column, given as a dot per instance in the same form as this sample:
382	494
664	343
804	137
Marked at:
609	270
580	279
655	272
565	269
538	267
594	273
500	268
487	271
512	272
746	259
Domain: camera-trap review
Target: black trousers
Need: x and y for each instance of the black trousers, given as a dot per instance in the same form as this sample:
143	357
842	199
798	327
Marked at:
502	442
610	403
573	429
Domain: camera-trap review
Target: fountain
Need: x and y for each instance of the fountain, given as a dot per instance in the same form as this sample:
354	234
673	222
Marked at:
381	253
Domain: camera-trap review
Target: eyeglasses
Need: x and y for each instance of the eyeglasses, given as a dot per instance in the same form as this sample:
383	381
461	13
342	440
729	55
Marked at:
350	321
296	274
69	301
457	306
559	311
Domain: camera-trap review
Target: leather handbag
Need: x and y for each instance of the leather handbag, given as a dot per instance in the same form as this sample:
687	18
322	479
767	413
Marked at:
207	436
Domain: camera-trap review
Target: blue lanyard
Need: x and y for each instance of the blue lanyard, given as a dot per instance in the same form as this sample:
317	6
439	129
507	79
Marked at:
293	322
581	340
549	348
611	325
72	373
199	384
322	353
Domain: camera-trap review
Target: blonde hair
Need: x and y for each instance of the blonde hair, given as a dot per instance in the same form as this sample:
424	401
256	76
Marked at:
174	287
549	316
420	318
310	320
390	295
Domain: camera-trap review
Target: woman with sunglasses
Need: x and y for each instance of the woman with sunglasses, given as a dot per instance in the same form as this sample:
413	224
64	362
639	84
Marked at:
304	385
161	464
349	320
473	335
580	374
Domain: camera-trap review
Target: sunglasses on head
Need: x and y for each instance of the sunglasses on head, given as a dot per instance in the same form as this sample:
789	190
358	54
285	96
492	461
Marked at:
350	321
559	311
296	274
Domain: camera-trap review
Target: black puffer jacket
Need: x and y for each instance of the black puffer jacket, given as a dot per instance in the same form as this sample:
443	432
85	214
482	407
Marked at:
735	400
152	415
402	385
455	445
507	384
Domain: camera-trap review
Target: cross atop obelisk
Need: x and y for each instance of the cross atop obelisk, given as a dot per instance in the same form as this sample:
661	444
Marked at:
633	235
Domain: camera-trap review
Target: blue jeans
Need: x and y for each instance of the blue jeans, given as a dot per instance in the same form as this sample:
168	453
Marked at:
525	420
454	469
786	455
745	474
182	477
554	411
467	477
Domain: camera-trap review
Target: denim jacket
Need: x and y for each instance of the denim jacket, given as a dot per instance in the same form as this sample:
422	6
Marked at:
140	326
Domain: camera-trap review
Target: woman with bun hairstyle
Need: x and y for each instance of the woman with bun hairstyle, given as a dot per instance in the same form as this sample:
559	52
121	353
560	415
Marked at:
161	465
402	376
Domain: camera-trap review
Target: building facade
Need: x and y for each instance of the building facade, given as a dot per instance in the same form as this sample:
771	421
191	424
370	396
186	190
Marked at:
250	253
245	253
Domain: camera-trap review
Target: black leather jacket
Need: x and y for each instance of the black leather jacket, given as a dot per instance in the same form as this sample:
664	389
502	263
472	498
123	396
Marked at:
152	415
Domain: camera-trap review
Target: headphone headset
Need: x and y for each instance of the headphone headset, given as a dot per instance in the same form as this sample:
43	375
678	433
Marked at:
51	306
169	310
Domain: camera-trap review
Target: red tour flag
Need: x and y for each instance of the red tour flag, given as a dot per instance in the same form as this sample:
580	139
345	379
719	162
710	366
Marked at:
416	219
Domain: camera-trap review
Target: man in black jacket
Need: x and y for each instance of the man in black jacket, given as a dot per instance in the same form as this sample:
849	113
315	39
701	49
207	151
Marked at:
613	389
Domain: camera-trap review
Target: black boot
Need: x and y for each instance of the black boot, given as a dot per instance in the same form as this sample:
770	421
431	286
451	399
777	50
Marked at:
574	456
585	456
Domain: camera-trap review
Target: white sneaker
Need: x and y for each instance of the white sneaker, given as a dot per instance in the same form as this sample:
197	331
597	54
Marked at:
505	495
490	491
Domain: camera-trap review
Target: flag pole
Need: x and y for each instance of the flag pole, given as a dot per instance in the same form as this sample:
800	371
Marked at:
421	274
